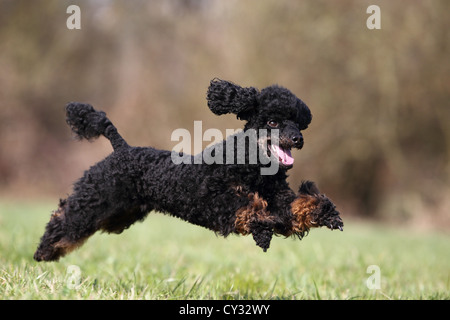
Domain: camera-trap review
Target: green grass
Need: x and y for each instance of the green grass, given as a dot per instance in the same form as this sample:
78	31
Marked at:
165	258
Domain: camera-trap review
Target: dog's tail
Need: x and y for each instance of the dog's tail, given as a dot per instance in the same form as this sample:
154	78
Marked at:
88	123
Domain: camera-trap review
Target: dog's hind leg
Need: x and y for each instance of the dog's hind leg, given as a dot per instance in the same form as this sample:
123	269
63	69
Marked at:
57	240
75	221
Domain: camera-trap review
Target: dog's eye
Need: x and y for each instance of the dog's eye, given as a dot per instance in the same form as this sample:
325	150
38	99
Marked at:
272	123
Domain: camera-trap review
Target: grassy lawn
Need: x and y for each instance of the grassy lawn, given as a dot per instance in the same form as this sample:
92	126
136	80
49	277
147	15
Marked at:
165	258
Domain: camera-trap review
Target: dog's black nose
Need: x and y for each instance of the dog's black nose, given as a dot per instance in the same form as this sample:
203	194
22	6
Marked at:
297	140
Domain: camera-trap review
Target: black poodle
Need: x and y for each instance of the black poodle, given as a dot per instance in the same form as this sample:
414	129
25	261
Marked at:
231	195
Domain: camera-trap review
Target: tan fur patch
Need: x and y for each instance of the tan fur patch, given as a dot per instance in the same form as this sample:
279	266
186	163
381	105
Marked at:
254	211
301	208
65	246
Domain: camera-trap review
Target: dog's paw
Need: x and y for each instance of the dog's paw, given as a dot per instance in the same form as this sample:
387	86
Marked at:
312	209
326	215
262	237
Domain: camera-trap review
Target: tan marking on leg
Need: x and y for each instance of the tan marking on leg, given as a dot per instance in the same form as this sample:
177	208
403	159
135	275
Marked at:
254	211
301	208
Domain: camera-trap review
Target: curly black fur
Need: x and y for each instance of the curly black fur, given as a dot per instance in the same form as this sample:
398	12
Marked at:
132	181
226	97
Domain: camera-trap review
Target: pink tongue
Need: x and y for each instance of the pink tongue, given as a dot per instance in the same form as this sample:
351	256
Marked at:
283	155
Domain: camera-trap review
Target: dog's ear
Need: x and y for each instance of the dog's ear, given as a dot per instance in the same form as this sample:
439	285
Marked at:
226	97
308	188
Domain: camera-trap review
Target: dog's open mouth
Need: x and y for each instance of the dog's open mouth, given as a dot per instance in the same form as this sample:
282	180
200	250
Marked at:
284	155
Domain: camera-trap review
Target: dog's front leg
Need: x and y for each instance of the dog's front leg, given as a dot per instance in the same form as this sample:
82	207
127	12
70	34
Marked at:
279	206
311	209
256	220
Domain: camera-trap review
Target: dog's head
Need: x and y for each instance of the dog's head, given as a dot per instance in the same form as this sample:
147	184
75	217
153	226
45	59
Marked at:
272	108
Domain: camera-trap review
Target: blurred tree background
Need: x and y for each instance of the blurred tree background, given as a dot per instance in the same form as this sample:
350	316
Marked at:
379	143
